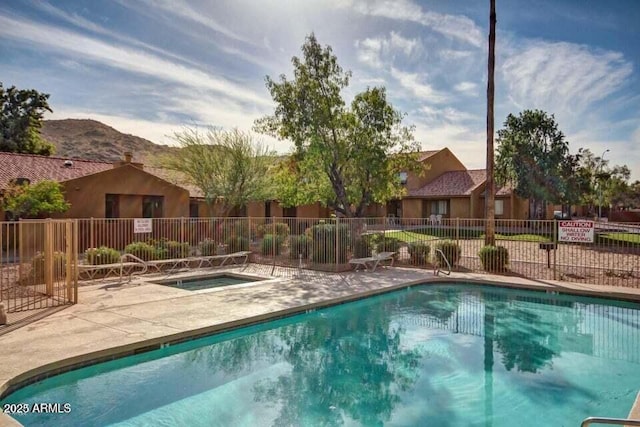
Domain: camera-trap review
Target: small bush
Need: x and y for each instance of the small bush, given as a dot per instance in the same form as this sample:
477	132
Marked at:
208	247
237	244
419	252
494	258
451	251
281	229
362	247
390	244
101	255
143	250
323	247
177	249
59	266
271	245
299	244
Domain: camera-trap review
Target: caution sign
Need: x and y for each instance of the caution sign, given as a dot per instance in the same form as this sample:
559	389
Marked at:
576	231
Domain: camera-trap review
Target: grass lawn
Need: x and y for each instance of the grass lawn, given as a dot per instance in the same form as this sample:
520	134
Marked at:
409	236
522	237
622	237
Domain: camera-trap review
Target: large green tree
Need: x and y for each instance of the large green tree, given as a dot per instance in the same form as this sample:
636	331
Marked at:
34	200
533	156
345	156
604	184
229	167
21	114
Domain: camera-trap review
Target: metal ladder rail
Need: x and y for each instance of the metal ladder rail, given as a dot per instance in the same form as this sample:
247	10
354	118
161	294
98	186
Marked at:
616	421
437	270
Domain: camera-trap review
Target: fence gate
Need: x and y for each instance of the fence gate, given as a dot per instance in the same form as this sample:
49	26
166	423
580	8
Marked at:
38	260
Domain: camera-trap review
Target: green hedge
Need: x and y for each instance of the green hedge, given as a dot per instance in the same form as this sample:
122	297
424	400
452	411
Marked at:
144	251
101	255
237	244
362	247
494	258
208	247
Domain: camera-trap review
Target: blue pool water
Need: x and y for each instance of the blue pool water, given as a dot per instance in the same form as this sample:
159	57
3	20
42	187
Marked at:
431	355
200	283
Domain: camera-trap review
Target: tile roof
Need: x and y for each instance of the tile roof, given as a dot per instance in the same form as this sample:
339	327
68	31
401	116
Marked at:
456	184
38	168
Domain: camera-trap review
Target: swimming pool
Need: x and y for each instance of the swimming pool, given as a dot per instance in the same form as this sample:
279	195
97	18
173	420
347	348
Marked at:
455	355
207	282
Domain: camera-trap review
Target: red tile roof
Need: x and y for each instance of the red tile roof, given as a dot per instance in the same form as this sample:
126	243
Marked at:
456	184
38	168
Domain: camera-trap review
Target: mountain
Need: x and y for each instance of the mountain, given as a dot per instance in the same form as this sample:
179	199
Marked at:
90	139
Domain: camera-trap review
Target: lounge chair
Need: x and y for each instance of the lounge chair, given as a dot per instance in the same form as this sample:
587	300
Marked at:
89	271
372	262
202	260
432	219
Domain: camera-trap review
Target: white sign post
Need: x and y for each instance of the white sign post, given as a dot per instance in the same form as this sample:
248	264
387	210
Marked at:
576	231
142	225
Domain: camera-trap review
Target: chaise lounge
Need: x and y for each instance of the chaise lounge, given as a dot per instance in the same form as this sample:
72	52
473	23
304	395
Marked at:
372	262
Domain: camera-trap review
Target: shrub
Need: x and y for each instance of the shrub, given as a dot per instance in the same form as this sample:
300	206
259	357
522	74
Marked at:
101	255
271	245
451	251
362	247
494	258
208	247
281	229
237	244
299	244
389	244
323	247
143	250
59	266
419	252
176	249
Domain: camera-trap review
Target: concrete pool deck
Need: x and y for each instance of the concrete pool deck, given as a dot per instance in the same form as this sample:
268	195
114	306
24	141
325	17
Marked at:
113	320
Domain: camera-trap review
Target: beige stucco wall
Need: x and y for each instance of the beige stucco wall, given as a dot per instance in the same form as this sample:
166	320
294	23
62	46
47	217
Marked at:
412	208
434	166
87	194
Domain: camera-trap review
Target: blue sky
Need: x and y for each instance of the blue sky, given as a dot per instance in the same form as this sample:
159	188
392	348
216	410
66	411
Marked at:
150	67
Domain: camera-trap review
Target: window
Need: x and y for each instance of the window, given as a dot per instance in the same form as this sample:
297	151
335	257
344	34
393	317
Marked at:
152	206
112	206
403	178
193	209
499	207
439	207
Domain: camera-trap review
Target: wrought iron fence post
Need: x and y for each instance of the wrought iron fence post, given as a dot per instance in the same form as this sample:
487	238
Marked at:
91	233
555	246
48	257
457	231
337	250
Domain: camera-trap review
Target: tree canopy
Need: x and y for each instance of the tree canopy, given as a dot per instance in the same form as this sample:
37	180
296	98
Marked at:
533	156
345	156
21	113
227	166
33	200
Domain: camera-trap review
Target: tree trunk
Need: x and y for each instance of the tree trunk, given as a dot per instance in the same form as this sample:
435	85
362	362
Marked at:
490	230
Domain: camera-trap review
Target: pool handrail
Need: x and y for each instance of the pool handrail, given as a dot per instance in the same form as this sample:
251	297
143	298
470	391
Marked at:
616	421
437	270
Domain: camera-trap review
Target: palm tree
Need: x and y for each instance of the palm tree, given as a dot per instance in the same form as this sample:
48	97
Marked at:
490	230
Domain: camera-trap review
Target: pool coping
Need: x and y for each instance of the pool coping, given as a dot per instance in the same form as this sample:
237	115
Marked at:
60	366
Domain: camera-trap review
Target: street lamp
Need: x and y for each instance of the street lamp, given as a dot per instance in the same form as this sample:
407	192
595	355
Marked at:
600	185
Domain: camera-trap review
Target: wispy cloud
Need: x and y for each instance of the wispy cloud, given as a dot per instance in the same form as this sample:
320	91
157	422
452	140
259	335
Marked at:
83	48
456	27
466	88
378	51
414	84
563	77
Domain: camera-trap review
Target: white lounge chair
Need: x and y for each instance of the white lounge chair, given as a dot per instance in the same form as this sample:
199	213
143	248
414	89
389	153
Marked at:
202	260
372	262
90	271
